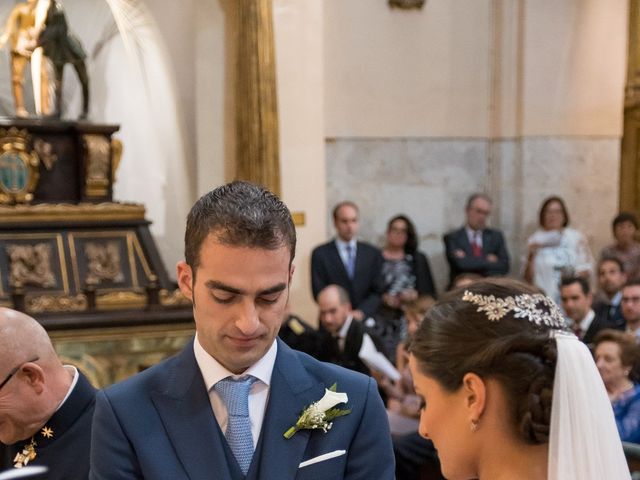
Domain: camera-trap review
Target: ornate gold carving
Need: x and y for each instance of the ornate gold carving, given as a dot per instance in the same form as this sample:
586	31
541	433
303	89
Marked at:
103	262
121	300
116	152
173	299
107	211
18	167
56	303
98	174
30	265
406	4
45	152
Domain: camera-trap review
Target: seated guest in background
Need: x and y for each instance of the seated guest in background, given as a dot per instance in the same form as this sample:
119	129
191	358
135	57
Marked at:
475	248
298	334
631	307
556	250
340	337
46	407
576	302
501	347
406	274
611	279
625	247
616	354
355	266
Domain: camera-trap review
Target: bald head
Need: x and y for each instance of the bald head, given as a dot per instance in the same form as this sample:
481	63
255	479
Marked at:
335	307
22	338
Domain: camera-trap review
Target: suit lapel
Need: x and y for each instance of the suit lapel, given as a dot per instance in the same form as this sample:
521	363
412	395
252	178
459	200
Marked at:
464	241
185	411
337	260
291	391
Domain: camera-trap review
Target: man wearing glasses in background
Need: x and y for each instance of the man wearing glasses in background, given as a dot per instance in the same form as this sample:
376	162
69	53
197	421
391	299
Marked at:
46	407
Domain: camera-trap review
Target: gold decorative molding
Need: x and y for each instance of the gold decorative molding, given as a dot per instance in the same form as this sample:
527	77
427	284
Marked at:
108	211
98	174
19	166
116	152
56	303
121	300
406	4
299	219
173	299
257	155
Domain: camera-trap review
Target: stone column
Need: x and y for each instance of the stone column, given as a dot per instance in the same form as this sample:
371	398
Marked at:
257	153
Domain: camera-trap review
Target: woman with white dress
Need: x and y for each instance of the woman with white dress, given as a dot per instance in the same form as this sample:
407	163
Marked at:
556	250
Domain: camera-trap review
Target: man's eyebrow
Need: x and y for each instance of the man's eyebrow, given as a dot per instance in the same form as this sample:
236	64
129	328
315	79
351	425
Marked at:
215	284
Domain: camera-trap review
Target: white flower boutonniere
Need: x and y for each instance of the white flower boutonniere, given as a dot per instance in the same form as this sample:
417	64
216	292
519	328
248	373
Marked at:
320	414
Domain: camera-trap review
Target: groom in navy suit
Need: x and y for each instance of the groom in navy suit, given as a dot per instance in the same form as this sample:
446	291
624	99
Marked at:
220	408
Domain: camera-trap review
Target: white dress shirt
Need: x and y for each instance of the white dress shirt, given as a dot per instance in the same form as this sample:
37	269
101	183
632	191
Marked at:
213	372
474	236
585	323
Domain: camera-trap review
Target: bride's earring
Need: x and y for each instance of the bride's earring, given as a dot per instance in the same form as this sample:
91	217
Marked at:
474	425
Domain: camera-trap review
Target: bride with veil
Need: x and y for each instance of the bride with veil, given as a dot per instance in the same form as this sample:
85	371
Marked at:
509	393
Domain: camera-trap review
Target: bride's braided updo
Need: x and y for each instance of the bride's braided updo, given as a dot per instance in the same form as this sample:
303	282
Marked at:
497	329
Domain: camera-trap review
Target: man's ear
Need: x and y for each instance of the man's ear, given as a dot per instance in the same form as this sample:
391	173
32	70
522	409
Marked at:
33	375
475	390
185	279
291	270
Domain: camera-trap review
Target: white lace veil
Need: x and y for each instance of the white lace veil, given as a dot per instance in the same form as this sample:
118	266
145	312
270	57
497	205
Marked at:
584	442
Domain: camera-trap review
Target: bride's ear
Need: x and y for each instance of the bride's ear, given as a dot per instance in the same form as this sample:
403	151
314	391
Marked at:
475	392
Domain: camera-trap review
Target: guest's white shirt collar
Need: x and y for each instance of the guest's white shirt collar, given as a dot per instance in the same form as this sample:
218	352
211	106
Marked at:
616	299
342	245
213	371
74	371
585	323
342	333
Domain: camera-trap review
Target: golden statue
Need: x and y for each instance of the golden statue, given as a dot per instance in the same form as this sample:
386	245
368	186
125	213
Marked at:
22	30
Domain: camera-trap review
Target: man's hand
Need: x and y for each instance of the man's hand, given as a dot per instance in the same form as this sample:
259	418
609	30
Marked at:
458	253
492	258
357	315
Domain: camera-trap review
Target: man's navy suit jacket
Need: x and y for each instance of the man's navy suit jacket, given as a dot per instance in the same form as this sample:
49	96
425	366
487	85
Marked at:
492	242
160	425
365	290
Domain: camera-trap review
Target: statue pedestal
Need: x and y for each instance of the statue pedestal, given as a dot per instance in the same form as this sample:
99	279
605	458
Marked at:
75	159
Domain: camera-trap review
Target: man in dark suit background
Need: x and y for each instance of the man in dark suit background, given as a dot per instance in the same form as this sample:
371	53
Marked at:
46	407
355	266
611	279
340	338
475	248
577	298
221	407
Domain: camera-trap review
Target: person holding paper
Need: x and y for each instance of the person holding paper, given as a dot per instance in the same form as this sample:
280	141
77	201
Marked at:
346	342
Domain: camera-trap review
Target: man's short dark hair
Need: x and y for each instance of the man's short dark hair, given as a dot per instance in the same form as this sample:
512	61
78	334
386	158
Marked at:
240	214
474	196
613	259
345	203
632	283
582	281
624	217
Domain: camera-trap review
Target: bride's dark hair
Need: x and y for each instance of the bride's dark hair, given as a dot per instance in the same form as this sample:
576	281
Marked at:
455	339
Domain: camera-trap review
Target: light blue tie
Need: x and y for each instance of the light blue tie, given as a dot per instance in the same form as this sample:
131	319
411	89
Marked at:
351	261
235	395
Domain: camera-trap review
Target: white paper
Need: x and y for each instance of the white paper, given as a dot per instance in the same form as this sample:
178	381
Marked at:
23	472
376	360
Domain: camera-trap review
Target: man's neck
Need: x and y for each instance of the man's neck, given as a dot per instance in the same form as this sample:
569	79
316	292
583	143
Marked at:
633	326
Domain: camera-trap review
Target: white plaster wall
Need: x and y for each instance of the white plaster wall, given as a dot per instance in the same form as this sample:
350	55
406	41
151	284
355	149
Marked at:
299	60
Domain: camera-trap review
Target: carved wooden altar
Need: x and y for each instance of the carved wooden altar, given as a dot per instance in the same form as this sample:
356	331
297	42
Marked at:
84	266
